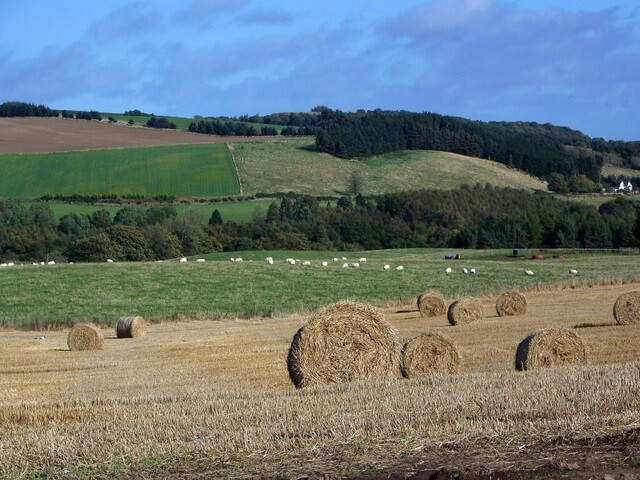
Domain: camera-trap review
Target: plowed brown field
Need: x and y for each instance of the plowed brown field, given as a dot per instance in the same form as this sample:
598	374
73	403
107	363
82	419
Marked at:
41	135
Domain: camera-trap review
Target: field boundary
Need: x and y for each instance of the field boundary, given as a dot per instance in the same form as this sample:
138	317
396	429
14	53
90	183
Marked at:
230	149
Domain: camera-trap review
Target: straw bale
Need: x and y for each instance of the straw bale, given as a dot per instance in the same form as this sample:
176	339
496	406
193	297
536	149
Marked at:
85	336
431	304
131	327
511	303
345	341
550	347
465	310
427	354
626	310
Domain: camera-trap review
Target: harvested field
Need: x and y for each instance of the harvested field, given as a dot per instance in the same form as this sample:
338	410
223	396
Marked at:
214	397
40	135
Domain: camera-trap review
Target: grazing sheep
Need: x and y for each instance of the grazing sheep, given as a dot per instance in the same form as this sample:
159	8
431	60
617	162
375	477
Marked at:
238	259
354	265
109	260
573	271
465	270
344	259
448	270
292	261
306	263
324	264
335	259
528	272
51	262
200	260
362	260
184	259
345	265
399	267
3	265
387	267
11	264
270	261
472	270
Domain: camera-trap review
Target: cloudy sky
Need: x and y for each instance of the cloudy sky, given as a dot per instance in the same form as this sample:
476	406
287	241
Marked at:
574	63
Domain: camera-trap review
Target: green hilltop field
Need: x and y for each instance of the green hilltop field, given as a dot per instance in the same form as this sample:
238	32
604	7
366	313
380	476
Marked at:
274	165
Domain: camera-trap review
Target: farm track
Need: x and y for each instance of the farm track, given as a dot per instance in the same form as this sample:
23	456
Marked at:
44	135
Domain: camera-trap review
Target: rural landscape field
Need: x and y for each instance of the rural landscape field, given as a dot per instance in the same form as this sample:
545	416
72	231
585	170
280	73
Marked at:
207	391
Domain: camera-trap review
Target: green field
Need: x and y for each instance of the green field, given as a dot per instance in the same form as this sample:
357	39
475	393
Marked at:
241	211
261	166
179	170
60	294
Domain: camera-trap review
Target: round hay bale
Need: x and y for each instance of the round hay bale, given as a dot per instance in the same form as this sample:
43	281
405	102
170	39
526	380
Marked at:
85	336
431	304
427	354
511	303
626	310
465	310
130	327
549	348
343	342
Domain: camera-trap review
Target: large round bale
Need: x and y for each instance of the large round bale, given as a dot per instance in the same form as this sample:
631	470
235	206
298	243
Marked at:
465	310
626	310
427	354
431	304
131	327
343	342
85	336
549	348
511	304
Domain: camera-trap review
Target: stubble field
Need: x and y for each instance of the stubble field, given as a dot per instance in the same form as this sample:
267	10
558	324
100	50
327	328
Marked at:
213	398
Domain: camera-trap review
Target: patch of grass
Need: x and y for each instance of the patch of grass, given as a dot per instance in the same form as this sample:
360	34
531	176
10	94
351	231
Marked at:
62	293
179	170
260	166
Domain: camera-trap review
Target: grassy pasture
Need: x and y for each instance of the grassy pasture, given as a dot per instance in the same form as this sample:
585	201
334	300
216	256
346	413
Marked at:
241	211
212	399
60	294
260	166
179	170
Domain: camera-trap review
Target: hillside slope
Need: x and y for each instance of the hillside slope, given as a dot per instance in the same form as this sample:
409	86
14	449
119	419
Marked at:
290	165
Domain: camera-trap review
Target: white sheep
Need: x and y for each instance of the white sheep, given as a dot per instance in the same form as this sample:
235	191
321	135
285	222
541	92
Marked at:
270	261
238	259
448	270
184	260
345	265
324	264
3	265
573	271
109	260
335	259
306	263
292	261
387	267
465	270
472	270
344	259
362	260
51	262
11	264
354	265
528	272
399	267
200	260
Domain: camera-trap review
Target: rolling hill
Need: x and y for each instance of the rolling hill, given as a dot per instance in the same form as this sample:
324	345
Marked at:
264	164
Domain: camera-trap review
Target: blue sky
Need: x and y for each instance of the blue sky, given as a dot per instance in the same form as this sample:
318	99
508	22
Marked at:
574	63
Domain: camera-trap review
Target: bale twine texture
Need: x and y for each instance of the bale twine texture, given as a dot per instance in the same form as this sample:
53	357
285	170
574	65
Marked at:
511	303
465	310
626	310
549	348
85	336
427	354
343	342
431	304
131	327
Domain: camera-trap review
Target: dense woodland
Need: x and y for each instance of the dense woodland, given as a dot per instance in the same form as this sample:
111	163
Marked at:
470	217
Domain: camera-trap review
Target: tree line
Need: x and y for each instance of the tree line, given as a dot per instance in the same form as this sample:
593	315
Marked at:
539	150
470	217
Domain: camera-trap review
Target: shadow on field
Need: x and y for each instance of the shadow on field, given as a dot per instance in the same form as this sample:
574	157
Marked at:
595	325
